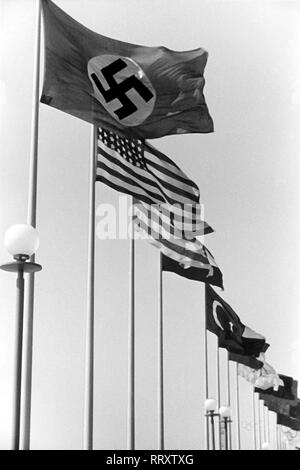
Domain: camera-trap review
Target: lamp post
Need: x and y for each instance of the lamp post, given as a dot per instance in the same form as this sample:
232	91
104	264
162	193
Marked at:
225	413
210	407
21	241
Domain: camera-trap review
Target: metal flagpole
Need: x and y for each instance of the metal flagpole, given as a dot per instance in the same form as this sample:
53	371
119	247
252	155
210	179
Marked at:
18	360
31	220
259	426
89	351
229	400
219	393
131	343
161	437
264	422
268	426
277	438
254	420
238	416
206	367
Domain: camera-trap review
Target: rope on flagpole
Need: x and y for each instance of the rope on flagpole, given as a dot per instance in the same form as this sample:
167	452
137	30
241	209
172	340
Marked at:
31	220
161	436
238	416
89	354
131	340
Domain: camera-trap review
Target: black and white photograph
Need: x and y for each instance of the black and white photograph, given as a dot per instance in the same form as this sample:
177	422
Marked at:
149	227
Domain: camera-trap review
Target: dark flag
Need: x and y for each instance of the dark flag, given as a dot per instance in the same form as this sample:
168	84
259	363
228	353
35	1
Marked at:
295	410
289	422
275	404
232	334
133	90
248	361
287	392
194	273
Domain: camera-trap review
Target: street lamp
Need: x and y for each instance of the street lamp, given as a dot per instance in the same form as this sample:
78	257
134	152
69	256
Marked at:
210	407
225	413
21	241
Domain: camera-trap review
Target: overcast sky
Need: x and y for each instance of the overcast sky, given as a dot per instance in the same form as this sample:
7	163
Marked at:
248	174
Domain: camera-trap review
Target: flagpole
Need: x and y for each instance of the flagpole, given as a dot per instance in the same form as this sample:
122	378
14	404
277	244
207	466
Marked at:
89	351
254	420
219	392
277	437
268	426
264	422
229	400
238	416
161	437
131	342
259	425
31	220
206	367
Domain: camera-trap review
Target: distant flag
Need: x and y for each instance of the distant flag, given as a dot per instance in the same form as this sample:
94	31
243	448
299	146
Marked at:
232	334
211	275
295	410
287	392
266	377
133	90
182	254
249	361
289	422
275	404
134	167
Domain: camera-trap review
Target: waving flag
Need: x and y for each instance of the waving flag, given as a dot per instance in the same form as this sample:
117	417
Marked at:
232	334
275	404
287	392
289	422
188	254
265	377
134	167
295	410
249	361
136	91
213	275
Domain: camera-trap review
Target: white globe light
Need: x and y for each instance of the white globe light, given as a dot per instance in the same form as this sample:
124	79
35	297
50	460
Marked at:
21	239
265	446
225	412
210	404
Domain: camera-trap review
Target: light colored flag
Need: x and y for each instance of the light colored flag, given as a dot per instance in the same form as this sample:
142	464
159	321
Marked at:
263	378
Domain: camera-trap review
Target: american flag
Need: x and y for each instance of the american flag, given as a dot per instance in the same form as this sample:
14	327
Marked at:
135	167
189	253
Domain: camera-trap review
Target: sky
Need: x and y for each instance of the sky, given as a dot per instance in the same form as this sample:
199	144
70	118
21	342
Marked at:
248	175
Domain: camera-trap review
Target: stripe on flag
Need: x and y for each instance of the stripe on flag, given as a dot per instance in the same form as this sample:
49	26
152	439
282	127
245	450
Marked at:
160	232
134	167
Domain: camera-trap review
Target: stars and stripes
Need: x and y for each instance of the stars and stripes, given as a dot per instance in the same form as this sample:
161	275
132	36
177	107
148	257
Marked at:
136	168
188	253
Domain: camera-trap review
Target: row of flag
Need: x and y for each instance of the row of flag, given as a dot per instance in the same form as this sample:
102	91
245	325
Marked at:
133	93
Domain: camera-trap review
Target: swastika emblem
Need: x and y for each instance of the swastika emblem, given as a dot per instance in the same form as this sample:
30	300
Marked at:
122	87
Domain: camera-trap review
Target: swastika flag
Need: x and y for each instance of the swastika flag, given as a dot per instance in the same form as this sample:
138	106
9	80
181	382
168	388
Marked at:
135	91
